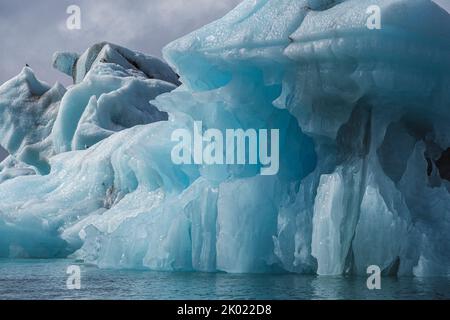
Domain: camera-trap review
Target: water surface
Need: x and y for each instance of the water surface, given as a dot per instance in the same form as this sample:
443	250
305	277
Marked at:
46	279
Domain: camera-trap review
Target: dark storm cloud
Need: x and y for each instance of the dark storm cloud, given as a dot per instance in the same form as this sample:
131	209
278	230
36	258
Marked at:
31	31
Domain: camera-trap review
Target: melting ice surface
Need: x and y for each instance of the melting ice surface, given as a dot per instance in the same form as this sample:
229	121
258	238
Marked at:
364	137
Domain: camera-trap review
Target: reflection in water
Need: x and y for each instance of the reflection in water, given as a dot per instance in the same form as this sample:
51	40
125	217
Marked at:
27	279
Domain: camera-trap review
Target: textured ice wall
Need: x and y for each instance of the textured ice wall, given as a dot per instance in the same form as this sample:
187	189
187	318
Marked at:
381	99
111	99
364	120
376	104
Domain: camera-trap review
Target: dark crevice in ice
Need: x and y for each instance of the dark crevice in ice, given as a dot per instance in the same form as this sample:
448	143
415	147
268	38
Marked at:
353	139
429	166
443	164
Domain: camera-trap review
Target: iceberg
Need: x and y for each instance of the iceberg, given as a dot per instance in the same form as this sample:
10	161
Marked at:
362	116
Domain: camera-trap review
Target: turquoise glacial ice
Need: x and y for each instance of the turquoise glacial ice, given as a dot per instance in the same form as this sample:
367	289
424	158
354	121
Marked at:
364	121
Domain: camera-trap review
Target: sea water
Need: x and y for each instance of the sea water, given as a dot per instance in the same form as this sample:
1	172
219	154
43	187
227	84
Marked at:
47	279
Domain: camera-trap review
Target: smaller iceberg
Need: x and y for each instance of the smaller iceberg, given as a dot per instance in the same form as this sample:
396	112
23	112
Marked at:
38	121
78	66
113	87
28	109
